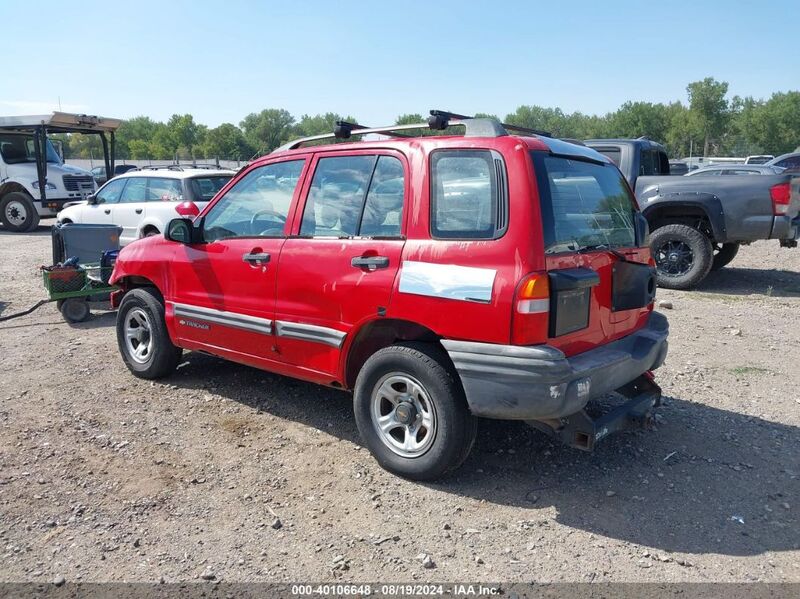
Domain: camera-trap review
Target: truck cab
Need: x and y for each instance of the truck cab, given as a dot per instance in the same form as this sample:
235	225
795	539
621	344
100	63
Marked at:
34	180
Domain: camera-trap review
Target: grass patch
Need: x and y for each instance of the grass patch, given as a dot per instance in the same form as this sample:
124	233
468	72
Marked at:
750	370
725	297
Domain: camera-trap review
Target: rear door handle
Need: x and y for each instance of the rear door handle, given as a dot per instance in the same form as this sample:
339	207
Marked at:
256	259
107	210
138	211
370	262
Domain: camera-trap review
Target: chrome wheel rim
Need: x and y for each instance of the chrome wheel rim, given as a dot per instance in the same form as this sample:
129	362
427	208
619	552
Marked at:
403	415
16	214
138	336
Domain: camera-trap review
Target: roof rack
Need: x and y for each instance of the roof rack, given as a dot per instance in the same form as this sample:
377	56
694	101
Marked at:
179	167
438	120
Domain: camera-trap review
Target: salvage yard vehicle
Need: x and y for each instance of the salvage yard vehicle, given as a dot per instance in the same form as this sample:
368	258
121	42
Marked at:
34	181
440	278
727	170
698	223
99	172
142	202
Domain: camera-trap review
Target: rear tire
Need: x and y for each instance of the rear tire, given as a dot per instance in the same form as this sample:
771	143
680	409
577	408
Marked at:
440	430
142	336
18	212
683	256
150	232
725	255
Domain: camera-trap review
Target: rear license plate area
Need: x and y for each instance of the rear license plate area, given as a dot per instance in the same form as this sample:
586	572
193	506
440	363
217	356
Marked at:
570	299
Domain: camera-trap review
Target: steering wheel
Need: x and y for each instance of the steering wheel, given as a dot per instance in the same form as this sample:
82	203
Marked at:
277	216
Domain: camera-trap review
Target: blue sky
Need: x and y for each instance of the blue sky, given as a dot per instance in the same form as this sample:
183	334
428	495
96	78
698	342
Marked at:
374	60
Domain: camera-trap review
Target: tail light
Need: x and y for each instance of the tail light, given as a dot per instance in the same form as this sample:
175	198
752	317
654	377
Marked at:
531	310
780	195
187	209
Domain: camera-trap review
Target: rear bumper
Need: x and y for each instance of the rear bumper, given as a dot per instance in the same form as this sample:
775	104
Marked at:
513	382
785	228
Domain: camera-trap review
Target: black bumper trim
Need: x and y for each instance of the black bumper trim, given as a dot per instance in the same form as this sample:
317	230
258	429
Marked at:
539	382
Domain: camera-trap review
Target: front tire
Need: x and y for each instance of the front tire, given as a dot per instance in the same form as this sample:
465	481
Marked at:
411	411
683	256
18	212
724	255
142	336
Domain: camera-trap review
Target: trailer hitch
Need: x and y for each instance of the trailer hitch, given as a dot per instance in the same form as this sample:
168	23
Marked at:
582	431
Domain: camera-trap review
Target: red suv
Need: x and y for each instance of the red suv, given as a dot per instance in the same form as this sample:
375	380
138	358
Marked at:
441	278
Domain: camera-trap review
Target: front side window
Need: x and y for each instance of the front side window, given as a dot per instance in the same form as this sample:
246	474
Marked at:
111	192
467	197
135	191
355	196
583	204
164	190
257	205
21	148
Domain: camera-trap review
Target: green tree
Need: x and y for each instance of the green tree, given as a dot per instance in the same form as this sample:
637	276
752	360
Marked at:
319	124
184	134
636	119
268	129
708	109
551	120
228	142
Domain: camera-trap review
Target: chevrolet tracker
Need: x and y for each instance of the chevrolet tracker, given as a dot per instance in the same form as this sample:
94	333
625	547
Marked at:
501	273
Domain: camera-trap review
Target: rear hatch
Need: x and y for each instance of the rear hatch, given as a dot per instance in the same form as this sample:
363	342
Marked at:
601	283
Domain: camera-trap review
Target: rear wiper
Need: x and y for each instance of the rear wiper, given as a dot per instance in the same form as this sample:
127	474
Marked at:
603	247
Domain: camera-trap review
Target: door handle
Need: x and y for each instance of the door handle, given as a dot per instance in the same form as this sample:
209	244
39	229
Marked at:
107	210
370	262
256	259
138	211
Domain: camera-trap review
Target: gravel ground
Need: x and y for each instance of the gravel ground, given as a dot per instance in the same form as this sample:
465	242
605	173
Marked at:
225	472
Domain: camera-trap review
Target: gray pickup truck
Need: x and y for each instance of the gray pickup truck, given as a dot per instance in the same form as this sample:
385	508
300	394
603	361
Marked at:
698	223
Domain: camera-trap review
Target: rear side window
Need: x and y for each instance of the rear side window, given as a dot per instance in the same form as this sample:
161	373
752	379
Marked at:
468	194
583	204
164	190
204	188
355	196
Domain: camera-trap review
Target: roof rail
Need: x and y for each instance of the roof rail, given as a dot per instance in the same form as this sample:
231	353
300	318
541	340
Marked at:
438	120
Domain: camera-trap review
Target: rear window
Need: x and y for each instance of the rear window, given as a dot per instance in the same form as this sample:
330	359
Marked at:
205	188
583	204
614	153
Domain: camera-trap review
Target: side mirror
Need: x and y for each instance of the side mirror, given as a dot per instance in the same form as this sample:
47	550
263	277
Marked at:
187	209
179	230
642	229
91	199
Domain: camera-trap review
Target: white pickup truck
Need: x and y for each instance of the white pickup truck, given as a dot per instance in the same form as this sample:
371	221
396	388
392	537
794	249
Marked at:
28	159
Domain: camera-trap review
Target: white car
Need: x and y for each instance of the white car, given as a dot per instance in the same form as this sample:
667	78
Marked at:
143	202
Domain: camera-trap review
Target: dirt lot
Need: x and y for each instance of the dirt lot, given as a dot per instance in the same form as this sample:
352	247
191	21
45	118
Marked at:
226	472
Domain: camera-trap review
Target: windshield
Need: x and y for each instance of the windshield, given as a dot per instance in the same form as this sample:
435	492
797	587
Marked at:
16	149
584	204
